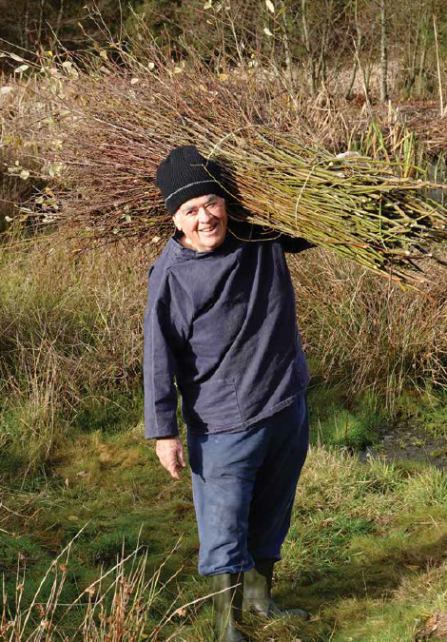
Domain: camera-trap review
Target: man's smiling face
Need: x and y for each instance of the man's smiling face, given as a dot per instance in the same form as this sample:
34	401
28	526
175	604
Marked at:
203	221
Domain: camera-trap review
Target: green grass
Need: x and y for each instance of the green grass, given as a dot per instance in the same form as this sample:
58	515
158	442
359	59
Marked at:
365	553
338	422
79	483
109	486
430	411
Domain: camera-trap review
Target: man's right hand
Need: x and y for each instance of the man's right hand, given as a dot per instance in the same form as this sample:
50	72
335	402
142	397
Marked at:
171	455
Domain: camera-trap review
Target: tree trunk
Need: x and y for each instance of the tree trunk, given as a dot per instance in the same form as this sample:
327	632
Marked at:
357	41
307	45
285	36
438	67
353	77
383	52
322	66
25	32
59	18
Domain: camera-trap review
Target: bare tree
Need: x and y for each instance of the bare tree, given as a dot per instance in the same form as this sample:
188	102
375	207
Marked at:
438	66
383	51
307	45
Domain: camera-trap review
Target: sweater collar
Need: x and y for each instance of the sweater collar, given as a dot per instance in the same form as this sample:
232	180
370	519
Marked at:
226	247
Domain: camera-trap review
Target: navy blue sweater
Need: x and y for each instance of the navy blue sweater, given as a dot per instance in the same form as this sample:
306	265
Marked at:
221	326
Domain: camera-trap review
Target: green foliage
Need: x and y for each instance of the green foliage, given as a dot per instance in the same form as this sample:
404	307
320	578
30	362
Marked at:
364	539
335	422
427	410
30	26
162	18
109	414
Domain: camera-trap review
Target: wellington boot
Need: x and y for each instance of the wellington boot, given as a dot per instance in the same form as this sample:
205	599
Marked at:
228	607
258	593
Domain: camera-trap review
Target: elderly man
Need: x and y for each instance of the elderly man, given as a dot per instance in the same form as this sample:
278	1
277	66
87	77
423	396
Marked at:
220	327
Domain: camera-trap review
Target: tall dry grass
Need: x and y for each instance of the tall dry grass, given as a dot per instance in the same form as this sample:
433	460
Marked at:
71	334
368	333
70	330
117	606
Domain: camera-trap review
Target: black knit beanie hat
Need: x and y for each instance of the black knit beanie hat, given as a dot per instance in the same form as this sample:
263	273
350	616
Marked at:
186	174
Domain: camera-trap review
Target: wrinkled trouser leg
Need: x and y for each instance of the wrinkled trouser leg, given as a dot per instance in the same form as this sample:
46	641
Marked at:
275	488
244	485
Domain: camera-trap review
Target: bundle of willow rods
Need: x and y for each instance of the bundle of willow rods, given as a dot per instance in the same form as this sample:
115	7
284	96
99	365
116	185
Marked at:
127	120
353	205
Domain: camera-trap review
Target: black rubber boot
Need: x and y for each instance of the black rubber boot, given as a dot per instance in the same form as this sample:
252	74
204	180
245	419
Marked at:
258	593
228	607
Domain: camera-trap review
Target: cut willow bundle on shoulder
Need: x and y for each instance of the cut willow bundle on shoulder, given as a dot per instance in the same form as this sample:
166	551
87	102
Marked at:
353	205
126	121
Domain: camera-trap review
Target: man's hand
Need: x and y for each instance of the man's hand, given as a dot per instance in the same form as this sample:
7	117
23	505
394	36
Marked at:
171	455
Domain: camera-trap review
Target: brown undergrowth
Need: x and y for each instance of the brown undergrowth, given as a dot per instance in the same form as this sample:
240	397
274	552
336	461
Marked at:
367	333
71	334
70	337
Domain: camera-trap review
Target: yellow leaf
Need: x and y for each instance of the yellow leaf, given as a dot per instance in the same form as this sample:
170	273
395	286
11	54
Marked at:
223	77
103	54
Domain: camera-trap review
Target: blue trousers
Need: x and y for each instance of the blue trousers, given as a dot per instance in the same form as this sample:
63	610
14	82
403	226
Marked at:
244	485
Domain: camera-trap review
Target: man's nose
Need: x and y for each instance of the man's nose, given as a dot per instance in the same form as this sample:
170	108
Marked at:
204	215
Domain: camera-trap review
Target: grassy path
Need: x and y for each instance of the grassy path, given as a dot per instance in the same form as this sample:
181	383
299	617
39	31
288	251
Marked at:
366	555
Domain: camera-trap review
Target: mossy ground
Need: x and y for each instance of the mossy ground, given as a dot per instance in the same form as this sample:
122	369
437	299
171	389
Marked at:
366	552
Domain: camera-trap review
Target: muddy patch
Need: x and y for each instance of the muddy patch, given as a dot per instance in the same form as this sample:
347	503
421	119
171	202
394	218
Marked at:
409	443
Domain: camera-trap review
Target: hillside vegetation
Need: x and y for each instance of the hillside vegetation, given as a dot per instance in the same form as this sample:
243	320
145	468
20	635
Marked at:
97	543
81	490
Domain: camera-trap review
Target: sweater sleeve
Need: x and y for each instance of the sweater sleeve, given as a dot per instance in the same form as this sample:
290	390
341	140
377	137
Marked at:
294	245
162	342
289	244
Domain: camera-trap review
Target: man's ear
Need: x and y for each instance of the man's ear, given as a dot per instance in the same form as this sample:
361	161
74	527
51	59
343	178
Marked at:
176	219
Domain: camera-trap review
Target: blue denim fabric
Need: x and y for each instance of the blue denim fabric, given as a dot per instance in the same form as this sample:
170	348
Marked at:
222	326
244	485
